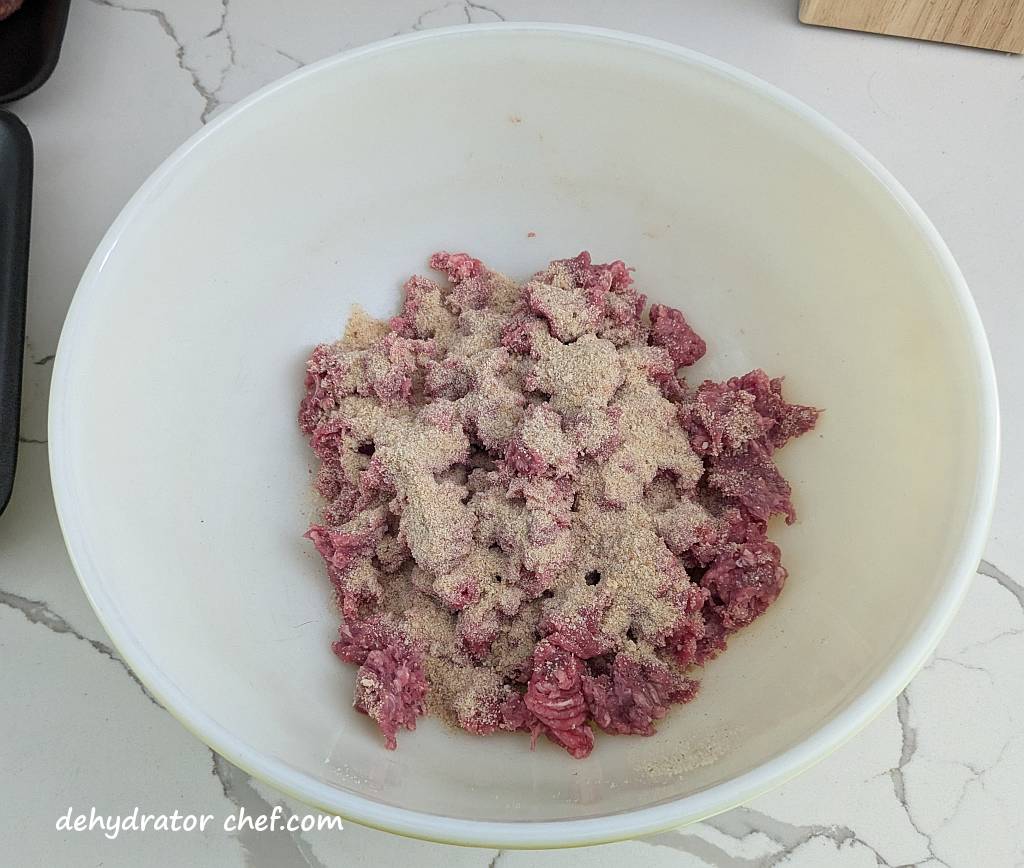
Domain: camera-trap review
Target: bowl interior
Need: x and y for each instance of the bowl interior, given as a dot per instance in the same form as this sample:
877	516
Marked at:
184	484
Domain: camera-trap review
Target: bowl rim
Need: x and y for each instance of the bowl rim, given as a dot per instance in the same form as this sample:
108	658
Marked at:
556	833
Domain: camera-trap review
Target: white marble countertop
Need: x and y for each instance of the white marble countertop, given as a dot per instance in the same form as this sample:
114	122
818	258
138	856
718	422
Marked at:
937	779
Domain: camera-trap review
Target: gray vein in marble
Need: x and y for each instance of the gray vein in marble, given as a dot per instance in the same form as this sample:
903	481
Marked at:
45	360
871	94
696	846
222	28
280	849
38	612
793	837
983	642
960	665
496	858
978	776
290	58
909	732
470	10
992	766
32	441
908	749
741	822
418	24
480	7
210	96
990	570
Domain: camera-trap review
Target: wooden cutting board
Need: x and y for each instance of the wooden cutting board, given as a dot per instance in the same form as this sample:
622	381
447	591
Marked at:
995	24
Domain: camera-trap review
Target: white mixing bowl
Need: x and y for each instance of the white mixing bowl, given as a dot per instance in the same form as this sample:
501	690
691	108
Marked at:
183	484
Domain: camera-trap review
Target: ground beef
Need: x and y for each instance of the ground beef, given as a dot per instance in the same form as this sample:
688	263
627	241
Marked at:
531	522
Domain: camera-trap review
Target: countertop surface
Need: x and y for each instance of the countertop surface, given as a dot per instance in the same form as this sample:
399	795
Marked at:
936	779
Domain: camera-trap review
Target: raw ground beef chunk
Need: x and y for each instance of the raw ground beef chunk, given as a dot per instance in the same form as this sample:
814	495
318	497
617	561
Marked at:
531	522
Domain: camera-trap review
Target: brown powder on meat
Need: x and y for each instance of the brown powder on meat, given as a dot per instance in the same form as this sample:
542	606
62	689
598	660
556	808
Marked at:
362	330
532	523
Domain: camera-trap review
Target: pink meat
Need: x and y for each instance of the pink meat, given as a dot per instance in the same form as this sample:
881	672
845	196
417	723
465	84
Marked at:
419	293
507	470
357	638
555	696
578	631
331	480
457	266
712	643
725	417
374	487
477	627
448	378
752	478
330	438
516	717
389	365
613	276
522	460
391	684
325	384
342	548
670	330
683	641
789	420
634	695
519	334
745	579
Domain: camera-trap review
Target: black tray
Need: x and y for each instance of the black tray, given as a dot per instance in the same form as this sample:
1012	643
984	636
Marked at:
30	43
15	209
